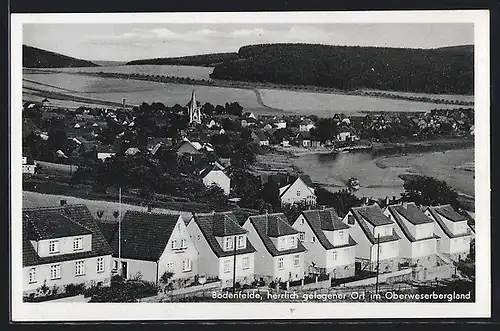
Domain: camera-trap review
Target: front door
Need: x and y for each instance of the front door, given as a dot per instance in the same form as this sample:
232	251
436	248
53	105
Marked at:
124	270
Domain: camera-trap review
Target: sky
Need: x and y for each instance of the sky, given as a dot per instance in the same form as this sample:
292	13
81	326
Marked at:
126	42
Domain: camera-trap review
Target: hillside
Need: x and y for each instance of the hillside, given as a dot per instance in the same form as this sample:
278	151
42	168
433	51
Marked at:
446	70
203	60
39	58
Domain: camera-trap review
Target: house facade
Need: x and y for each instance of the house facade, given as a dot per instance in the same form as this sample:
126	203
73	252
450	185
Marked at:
28	167
62	246
280	255
220	240
153	244
377	240
215	174
297	192
453	231
330	247
418	243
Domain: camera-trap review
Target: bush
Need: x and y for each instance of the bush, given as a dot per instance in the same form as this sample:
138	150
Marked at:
75	289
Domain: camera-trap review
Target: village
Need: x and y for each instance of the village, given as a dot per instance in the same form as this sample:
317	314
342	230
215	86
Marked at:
247	228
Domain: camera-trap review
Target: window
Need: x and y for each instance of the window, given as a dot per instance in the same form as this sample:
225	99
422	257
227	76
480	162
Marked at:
55	271
293	242
380	249
313	239
245	263
199	237
183	243
227	266
53	246
32	275
301	222
296	260
187	265
79	268
77	244
115	265
298	193
174	244
229	243
341	236
280	263
170	267
335	256
302	236
100	264
241	241
350	220
282	243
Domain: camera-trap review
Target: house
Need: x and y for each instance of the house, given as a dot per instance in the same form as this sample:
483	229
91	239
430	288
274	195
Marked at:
132	151
285	143
224	249
297	192
344	135
105	151
154	144
452	228
330	247
306	125
61	246
304	139
189	147
260	138
152	244
280	255
267	127
215	174
28	165
418	243
279	124
376	237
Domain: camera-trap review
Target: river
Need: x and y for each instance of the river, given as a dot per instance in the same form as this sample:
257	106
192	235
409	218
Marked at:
378	175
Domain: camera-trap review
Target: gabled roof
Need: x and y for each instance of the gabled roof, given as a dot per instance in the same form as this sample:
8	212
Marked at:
437	217
144	236
52	224
274	226
373	214
285	188
209	169
319	221
358	214
78	214
412	213
215	225
305	135
404	228
448	212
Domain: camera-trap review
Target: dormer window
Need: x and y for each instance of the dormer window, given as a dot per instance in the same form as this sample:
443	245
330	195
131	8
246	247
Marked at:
282	243
77	244
174	244
350	220
388	231
293	242
53	246
302	236
241	242
341	235
229	243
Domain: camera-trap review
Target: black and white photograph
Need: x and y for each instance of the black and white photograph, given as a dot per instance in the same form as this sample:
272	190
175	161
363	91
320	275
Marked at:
318	161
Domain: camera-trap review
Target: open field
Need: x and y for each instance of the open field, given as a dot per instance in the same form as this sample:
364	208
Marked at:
34	199
459	97
269	101
327	104
164	70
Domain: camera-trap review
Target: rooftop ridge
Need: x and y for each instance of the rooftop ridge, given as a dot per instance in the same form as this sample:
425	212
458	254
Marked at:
131	211
53	207
72	221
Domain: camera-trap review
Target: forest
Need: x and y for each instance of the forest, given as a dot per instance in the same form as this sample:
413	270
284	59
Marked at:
39	58
203	60
448	70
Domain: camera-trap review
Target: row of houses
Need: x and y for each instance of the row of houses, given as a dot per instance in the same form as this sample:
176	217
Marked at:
65	245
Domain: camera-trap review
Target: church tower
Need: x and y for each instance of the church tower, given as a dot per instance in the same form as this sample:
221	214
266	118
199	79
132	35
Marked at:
194	110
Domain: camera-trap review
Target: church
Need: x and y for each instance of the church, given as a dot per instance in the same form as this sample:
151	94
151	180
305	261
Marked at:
194	110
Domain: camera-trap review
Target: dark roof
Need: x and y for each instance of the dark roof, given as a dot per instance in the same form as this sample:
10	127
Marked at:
412	213
373	214
108	230
52	224
211	228
404	228
144	236
450	213
319	221
208	169
78	214
364	227
443	226
274	226
106	149
305	135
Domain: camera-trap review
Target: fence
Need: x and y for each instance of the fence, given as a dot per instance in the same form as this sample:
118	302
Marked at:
400	275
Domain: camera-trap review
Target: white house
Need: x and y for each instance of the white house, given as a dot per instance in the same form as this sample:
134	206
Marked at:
344	136
280	124
215	174
153	244
418	243
28	168
376	237
220	239
280	255
306	125
104	152
297	192
330	247
452	228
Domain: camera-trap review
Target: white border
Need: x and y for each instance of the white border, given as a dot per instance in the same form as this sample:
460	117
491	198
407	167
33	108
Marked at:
186	311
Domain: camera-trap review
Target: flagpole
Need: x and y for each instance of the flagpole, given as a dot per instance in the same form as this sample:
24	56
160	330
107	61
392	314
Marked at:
120	226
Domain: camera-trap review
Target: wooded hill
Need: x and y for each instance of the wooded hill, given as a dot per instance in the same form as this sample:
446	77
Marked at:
442	70
204	60
39	58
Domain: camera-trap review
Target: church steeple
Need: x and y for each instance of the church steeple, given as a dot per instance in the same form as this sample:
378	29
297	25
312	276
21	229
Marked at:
194	110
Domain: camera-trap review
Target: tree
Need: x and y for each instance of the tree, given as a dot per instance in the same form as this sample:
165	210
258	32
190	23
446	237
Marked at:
216	196
247	187
429	191
341	201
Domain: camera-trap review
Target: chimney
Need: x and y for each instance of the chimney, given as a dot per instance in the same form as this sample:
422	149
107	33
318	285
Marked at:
63	202
123	104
